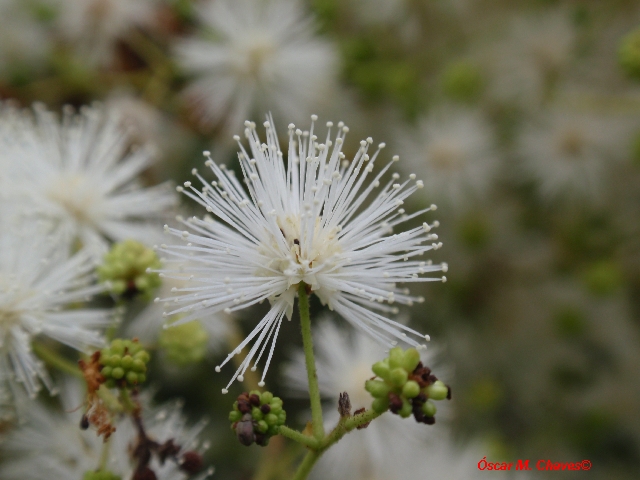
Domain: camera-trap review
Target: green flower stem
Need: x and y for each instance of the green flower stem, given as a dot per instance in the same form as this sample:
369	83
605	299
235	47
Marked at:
307	344
55	360
104	455
127	402
318	447
307	464
299	437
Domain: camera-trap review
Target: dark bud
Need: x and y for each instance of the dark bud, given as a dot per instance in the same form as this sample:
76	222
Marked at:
433	379
84	422
421	398
168	449
144	473
344	405
262	439
448	392
254	400
244	406
244	430
395	403
266	408
429	420
191	462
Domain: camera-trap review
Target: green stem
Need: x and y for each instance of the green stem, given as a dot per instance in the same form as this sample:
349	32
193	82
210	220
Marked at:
127	402
345	425
55	360
104	455
307	344
307	464
296	436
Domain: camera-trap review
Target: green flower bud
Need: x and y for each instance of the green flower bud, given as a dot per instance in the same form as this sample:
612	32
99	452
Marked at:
629	54
398	377
263	426
411	389
100	475
406	409
381	369
380	405
396	358
266	397
256	413
125	268
411	360
124	360
429	408
235	415
185	344
271	419
282	417
273	430
377	388
437	391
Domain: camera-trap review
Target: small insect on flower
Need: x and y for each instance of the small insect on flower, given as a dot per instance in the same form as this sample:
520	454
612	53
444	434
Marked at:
312	218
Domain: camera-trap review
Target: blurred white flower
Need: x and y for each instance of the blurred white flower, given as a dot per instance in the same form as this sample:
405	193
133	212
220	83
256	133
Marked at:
38	279
80	173
569	153
536	54
94	26
256	56
452	149
311	220
51	444
390	447
23	41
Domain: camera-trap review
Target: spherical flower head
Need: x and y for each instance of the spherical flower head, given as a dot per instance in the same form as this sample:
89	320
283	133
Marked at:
124	363
629	54
250	55
313	218
453	147
39	280
80	174
127	269
256	417
185	344
462	81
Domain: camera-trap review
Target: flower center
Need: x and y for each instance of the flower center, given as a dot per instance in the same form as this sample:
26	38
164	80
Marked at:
75	195
254	54
571	143
445	157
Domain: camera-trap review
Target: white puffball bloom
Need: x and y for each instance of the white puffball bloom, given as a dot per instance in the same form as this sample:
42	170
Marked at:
80	173
391	447
256	56
38	280
50	443
311	218
536	53
94	26
569	153
453	151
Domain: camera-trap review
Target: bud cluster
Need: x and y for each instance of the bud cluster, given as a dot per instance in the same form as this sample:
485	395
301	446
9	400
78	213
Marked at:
406	387
127	268
100	475
185	344
124	363
256	417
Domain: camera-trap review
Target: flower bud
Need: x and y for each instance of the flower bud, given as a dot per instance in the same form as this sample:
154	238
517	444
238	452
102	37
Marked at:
380	405
398	377
184	344
381	369
256	417
429	408
124	363
125	268
437	391
411	360
411	389
396	358
377	388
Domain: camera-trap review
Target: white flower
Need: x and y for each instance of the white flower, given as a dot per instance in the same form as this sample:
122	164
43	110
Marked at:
94	26
37	280
308	219
51	445
80	174
453	151
390	447
534	56
255	56
569	153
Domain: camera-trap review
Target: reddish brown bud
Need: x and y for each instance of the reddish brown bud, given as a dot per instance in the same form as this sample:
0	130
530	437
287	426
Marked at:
144	473
266	408
191	462
254	400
